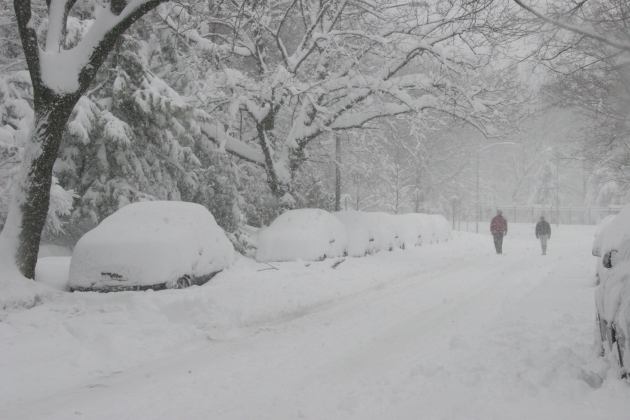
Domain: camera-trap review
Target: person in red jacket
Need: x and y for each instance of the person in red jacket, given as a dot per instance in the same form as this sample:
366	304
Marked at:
498	228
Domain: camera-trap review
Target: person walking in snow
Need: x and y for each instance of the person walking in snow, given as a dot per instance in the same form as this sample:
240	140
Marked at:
498	228
543	232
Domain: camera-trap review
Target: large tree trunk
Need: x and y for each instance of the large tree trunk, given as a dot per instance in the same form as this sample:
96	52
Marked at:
31	195
19	240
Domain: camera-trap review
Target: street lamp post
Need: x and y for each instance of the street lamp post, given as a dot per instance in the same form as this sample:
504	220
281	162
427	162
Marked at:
478	154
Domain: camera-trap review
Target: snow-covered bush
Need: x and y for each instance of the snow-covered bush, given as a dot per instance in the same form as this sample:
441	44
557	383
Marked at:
307	234
360	232
612	296
156	244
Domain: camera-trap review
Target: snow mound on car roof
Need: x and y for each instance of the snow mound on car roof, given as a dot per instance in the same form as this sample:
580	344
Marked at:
150	243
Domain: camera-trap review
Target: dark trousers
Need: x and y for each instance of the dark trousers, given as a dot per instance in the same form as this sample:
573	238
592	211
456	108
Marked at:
498	242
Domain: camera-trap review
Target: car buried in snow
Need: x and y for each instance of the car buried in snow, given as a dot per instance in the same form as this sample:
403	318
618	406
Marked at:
612	295
150	245
305	234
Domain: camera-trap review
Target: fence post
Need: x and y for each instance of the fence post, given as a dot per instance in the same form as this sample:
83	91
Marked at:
533	214
514	213
589	215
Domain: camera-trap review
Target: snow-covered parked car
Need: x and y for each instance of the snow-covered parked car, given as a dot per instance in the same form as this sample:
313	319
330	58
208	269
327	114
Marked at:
442	230
306	234
407	231
597	242
384	230
612	295
361	236
422	226
150	245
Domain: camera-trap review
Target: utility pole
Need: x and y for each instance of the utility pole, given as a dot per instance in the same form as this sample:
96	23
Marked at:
337	172
557	188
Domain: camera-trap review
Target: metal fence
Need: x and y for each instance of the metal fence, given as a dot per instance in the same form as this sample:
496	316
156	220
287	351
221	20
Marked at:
555	215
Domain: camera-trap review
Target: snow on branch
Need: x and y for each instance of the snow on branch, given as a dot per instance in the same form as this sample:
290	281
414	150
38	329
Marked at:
358	120
232	145
202	43
71	71
588	32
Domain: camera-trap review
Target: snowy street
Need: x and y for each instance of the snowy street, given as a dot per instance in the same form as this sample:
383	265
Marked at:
446	331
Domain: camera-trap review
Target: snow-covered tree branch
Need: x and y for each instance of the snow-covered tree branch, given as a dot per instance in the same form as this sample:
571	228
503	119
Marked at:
301	69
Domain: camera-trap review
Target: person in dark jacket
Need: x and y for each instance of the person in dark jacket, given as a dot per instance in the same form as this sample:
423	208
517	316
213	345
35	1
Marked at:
498	228
543	232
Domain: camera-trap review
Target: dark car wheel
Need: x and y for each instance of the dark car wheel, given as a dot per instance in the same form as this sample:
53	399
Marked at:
183	282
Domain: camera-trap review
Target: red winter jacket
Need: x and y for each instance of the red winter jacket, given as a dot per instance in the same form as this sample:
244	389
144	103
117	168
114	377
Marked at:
498	225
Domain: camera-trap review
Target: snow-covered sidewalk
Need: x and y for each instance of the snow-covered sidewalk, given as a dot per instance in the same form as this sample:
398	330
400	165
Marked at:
449	331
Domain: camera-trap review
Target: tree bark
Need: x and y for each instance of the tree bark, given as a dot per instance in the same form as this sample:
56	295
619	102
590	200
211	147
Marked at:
32	193
31	196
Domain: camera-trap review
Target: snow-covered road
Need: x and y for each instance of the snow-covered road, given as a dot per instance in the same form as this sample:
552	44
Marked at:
448	331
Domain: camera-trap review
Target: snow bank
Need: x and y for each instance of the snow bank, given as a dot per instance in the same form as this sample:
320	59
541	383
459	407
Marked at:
16	291
150	243
360	232
53	272
307	234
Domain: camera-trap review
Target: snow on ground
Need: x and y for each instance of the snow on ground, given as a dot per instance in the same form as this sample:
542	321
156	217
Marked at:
448	331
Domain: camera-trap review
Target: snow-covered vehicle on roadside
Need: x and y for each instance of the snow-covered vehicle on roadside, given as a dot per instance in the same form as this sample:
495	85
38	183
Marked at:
423	226
306	234
612	295
361	236
597	242
150	245
600	233
384	231
442	230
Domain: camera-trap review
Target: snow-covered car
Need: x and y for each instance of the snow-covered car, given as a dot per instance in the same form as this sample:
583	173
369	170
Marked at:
612	295
442	230
306	234
384	230
423	226
597	242
150	245
361	236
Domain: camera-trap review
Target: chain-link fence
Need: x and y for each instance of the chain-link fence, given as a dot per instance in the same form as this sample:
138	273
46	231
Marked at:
531	214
